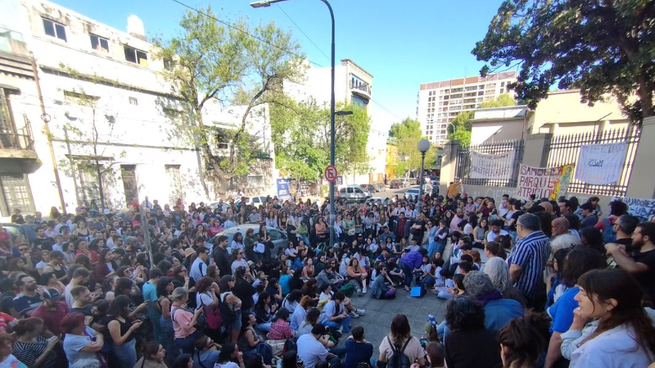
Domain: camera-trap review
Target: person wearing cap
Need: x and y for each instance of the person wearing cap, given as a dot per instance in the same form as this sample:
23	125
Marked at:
52	311
312	351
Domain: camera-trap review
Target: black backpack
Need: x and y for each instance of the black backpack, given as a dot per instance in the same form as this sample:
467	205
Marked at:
398	358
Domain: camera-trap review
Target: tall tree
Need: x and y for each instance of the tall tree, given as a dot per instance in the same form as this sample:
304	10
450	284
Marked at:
301	135
406	136
212	64
598	46
461	129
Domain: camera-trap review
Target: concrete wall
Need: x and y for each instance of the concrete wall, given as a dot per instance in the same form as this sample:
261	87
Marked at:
565	109
132	128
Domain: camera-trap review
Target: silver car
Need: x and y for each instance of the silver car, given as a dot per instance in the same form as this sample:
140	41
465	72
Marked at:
278	237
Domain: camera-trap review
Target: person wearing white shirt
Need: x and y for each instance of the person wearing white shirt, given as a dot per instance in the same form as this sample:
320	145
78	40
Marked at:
310	348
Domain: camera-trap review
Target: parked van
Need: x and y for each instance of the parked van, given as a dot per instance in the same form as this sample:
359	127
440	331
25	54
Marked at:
353	193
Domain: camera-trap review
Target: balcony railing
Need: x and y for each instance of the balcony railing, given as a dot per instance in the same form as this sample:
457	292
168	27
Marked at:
364	87
20	139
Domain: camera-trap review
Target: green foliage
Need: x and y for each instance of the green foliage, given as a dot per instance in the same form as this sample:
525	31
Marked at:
212	64
503	100
301	135
406	136
600	47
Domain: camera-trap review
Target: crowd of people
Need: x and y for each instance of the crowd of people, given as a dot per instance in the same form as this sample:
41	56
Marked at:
536	283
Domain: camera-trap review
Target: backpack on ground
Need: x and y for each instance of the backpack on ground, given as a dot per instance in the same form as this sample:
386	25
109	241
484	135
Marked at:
398	358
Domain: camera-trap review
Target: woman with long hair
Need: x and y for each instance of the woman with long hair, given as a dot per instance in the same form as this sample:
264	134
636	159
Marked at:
311	319
230	357
105	265
400	339
233	304
480	233
264	312
153	356
121	330
31	347
250	342
164	289
576	263
237	242
357	275
620	333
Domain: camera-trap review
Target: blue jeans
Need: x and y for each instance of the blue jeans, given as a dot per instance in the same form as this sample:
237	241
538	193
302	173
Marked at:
166	327
345	323
266	327
407	270
263	349
126	354
432	249
186	344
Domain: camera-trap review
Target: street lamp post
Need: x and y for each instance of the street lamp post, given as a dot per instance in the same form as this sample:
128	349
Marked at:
423	147
267	3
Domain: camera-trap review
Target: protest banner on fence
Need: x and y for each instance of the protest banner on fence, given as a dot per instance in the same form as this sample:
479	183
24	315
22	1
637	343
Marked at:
601	163
283	188
643	208
543	182
486	166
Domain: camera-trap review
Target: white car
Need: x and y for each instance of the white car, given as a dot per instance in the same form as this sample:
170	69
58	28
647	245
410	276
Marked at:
411	193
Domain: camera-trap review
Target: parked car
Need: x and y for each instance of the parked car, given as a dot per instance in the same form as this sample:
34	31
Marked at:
257	201
405	182
411	193
353	193
214	205
371	188
380	187
278	237
11	228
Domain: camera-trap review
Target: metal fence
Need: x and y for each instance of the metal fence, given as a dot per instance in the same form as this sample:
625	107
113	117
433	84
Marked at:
565	149
463	166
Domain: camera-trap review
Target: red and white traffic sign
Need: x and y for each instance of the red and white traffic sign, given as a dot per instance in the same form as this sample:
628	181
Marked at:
331	173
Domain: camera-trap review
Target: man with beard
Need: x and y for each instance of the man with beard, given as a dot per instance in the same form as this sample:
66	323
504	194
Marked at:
459	217
641	263
29	298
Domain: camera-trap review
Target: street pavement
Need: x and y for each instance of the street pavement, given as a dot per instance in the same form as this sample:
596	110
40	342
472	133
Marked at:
380	313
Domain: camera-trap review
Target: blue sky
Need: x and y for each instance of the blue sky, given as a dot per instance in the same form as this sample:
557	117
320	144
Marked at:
402	43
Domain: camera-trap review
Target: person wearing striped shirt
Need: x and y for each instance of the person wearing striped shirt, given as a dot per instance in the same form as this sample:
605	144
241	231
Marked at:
528	259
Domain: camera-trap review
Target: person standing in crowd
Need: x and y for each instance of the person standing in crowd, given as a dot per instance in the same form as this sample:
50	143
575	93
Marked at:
642	262
465	318
528	260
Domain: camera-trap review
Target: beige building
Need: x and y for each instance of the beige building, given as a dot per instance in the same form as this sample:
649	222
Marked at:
440	102
561	113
